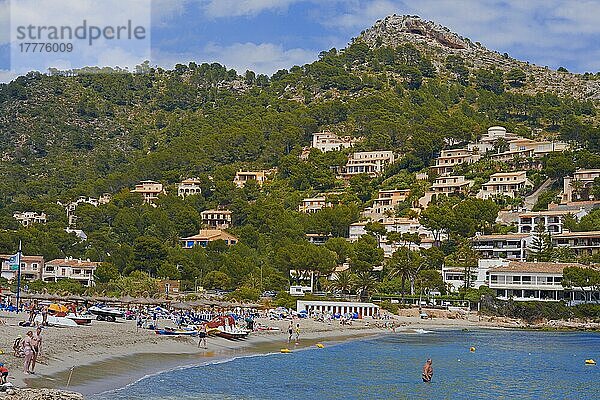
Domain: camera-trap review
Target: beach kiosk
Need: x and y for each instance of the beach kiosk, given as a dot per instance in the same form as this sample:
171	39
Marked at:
338	307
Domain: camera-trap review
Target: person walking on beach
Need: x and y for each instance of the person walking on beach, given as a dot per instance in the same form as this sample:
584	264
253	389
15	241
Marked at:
297	332
3	374
290	331
36	342
28	351
427	371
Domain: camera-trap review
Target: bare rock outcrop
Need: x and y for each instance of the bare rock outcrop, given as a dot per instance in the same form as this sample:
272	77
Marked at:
40	394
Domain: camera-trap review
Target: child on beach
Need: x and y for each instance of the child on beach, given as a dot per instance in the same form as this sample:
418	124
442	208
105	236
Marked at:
3	374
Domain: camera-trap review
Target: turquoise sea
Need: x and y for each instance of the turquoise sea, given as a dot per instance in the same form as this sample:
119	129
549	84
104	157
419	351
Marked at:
505	365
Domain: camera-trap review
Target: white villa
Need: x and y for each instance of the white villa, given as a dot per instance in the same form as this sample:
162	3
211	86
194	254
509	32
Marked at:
28	218
328	141
62	268
511	246
189	187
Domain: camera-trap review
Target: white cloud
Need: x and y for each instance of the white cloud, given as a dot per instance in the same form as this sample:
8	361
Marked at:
6	76
264	58
237	8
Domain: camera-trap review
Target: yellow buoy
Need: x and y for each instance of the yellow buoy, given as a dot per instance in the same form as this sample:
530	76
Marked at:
472	349
590	362
320	345
285	351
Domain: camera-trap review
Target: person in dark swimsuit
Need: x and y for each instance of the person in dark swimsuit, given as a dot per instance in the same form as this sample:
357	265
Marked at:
427	371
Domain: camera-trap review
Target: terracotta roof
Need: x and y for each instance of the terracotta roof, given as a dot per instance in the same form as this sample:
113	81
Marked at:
211	234
535	267
548	212
577	234
23	258
513	236
68	262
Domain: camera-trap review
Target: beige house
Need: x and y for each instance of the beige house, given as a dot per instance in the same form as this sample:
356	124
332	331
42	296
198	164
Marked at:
189	187
77	269
578	187
313	204
385	203
241	177
208	235
216	218
31	267
28	218
371	163
505	184
149	190
448	159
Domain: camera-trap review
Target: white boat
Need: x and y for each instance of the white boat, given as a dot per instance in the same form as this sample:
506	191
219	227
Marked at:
104	313
62	322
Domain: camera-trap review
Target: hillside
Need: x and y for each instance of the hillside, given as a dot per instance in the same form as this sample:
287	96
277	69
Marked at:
438	42
406	86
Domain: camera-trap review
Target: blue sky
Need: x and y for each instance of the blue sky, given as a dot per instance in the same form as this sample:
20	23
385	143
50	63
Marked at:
266	35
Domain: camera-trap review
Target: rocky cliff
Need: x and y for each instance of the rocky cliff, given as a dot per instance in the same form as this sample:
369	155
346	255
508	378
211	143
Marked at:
438	42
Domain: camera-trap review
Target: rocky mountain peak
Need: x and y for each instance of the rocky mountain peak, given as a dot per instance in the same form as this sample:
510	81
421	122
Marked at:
396	28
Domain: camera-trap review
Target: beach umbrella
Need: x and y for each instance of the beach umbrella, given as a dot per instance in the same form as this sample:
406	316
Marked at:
76	298
127	299
57	308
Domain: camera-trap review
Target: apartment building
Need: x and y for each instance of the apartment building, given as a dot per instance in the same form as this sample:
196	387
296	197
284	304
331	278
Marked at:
189	187
509	184
529	281
582	243
31	267
511	246
578	187
371	163
63	268
208	235
149	190
216	218
28	218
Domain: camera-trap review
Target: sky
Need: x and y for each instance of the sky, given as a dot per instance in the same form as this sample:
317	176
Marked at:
267	35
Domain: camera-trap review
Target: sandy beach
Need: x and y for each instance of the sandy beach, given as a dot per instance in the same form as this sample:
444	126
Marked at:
107	356
146	352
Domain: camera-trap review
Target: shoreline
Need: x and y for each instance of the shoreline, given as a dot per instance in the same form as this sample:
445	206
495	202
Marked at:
109	356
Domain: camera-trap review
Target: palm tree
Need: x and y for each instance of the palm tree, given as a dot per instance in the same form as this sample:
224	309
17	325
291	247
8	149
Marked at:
399	266
343	282
364	283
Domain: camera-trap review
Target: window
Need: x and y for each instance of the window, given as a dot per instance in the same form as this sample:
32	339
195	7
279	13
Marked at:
526	279
34	266
494	278
516	279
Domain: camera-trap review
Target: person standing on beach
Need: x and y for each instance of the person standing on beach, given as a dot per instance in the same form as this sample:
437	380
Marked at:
290	331
202	335
36	342
28	351
427	371
297	332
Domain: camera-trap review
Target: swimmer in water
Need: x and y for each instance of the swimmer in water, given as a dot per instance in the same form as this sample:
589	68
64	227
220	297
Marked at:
427	371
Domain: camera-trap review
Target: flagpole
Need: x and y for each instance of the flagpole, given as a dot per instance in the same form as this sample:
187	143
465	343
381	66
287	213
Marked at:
19	277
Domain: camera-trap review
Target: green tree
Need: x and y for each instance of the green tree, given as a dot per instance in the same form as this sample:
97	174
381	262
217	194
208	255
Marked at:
106	272
216	280
516	77
586	279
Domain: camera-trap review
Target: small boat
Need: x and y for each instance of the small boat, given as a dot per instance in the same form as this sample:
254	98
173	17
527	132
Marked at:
104	313
590	361
79	319
231	333
175	332
61	322
285	351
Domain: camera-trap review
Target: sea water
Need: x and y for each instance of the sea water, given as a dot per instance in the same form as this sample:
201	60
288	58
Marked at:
505	365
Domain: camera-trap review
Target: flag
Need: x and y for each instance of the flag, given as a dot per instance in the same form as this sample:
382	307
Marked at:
13	262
